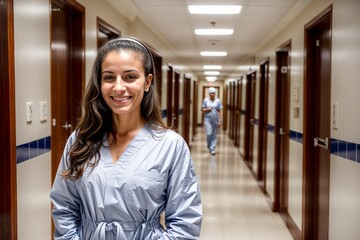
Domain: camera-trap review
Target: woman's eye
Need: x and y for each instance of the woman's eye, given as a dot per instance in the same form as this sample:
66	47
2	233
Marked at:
108	77
130	77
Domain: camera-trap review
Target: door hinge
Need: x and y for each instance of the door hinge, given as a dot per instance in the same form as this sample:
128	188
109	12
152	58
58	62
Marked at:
318	43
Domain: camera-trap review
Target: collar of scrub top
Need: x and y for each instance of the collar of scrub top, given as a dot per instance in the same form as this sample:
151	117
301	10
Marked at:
129	39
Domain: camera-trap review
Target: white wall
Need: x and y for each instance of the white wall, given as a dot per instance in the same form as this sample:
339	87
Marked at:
32	68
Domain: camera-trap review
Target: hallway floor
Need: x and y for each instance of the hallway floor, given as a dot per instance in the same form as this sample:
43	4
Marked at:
233	205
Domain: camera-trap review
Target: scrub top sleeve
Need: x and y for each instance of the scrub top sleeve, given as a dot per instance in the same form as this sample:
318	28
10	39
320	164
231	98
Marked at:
66	203
183	214
203	105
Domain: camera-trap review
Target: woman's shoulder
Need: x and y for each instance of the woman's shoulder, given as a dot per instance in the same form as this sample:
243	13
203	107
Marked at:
166	135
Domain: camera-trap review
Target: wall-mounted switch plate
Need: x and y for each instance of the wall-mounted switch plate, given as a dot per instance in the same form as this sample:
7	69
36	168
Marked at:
43	111
29	112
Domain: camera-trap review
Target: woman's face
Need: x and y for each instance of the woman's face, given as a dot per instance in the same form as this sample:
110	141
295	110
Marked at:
123	82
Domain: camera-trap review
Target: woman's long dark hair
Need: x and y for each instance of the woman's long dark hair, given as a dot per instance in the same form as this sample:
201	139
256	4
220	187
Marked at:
97	121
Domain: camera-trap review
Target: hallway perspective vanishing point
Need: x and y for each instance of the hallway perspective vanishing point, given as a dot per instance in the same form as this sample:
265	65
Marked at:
233	205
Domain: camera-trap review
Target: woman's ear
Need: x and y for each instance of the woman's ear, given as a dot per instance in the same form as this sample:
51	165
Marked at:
148	81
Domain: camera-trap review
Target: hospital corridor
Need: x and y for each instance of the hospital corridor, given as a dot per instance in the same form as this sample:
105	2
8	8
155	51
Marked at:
277	81
233	205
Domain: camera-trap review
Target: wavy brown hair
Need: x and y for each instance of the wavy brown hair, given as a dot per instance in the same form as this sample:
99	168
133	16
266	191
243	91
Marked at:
96	121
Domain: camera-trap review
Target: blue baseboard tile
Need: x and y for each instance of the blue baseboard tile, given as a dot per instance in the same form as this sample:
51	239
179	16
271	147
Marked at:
341	148
32	149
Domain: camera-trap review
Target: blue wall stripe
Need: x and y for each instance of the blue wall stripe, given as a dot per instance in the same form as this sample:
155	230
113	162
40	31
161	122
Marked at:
32	149
341	148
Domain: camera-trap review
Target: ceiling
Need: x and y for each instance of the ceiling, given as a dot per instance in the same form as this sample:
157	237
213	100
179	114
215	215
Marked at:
171	20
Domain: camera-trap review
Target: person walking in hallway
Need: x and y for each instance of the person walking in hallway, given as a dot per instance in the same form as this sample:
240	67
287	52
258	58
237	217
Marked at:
122	168
211	107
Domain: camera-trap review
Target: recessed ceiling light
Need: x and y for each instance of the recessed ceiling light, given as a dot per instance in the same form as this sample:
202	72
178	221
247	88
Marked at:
214	9
211	73
211	79
212	67
213	31
213	54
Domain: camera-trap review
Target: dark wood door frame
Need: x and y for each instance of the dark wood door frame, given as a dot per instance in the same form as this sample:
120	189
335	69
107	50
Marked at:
263	122
316	160
169	104
225	110
71	62
186	109
281	128
249	119
176	95
105	32
282	137
8	189
232	110
238	103
195	110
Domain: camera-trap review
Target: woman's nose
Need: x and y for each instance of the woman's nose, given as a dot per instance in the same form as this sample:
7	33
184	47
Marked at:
119	84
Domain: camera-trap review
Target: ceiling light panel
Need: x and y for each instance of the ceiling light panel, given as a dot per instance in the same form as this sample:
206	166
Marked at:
211	73
212	67
211	79
213	54
213	31
214	9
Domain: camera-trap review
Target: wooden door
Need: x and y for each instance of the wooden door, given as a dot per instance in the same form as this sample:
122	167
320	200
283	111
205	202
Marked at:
169	106
105	32
195	110
249	118
263	122
67	72
317	99
176	101
186	109
8	200
238	102
282	133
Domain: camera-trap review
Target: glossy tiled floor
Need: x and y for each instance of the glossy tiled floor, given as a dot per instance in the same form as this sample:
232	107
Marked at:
233	205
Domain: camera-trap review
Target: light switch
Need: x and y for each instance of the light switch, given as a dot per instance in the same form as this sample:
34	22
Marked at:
296	112
29	112
43	111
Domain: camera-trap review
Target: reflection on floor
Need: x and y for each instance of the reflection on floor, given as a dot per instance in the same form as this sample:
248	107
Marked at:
233	205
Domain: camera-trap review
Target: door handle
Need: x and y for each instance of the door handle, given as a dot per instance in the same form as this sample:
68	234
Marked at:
66	125
252	121
319	142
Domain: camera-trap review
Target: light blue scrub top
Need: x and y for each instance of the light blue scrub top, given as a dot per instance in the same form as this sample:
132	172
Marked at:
215	106
124	200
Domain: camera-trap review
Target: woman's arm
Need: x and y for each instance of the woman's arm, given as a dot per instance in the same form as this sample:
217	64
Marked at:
183	213
66	203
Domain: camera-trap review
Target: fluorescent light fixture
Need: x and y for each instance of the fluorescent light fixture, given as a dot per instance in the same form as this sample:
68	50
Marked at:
211	73
211	79
214	9
212	67
213	31
213	54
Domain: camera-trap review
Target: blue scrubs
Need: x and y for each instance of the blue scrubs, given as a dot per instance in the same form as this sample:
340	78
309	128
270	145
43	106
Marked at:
211	120
124	200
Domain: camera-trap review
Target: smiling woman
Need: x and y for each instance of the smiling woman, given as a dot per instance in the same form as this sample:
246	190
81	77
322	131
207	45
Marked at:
122	167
